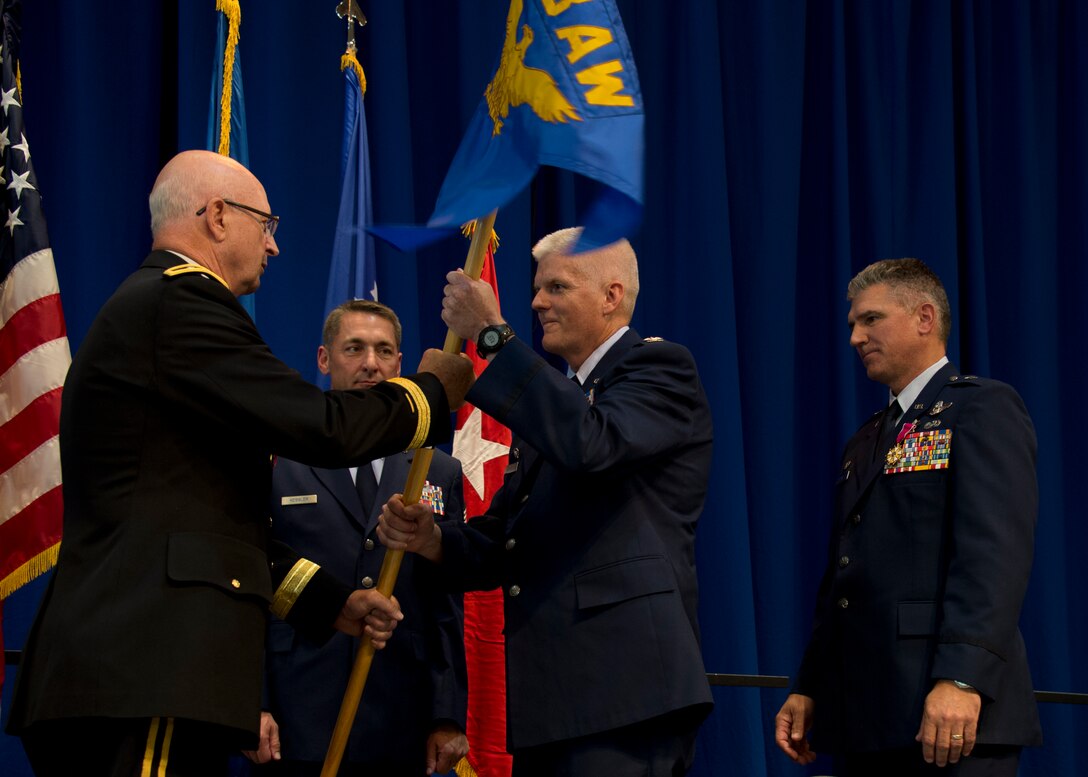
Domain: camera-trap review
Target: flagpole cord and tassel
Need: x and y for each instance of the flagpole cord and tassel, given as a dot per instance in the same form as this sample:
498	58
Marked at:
233	11
387	578
349	10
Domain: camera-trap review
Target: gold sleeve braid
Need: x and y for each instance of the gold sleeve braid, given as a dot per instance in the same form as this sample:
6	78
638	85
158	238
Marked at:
292	586
417	400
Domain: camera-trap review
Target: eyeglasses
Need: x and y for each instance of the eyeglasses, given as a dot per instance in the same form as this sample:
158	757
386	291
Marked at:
267	220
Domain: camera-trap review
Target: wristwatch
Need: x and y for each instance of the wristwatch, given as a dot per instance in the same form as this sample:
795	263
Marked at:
963	686
492	338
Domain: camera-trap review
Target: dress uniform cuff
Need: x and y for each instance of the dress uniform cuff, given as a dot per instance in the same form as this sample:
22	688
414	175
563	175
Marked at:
307	597
427	398
417	400
293	584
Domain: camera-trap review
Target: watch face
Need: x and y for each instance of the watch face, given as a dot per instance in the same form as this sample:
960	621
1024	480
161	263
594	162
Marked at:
491	339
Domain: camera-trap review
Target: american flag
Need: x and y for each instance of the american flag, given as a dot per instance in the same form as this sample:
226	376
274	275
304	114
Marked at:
34	355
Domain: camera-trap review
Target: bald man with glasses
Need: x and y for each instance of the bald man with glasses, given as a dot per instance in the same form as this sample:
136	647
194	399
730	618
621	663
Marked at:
146	653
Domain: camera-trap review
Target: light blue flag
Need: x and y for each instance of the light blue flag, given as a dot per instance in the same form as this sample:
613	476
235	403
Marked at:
565	94
239	144
352	273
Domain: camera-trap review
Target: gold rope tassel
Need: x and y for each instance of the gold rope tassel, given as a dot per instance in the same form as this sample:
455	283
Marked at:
29	570
468	229
233	12
348	59
464	769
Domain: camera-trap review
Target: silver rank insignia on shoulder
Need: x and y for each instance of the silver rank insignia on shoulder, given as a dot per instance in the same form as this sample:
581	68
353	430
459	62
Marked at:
939	407
653	339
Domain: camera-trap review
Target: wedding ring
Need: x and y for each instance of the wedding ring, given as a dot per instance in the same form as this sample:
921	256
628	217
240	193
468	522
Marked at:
957	736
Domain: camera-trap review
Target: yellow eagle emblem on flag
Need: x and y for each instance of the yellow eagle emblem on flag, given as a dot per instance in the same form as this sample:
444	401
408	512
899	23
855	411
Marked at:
516	84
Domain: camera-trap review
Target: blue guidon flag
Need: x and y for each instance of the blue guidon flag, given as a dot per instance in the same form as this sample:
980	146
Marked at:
565	94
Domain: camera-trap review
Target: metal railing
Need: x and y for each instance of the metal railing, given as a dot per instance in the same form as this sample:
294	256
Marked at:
761	681
781	681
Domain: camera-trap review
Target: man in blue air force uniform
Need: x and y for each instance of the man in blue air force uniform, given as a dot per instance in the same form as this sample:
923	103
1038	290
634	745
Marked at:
916	664
412	716
592	535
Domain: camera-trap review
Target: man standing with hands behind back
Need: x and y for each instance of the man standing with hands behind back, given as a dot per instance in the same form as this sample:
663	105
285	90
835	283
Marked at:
592	535
916	665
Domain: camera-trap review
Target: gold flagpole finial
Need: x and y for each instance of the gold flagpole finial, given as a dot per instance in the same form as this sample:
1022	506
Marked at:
349	9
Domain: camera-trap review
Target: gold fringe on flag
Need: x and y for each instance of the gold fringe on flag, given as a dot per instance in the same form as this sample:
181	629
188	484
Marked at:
347	60
29	570
233	12
464	769
468	229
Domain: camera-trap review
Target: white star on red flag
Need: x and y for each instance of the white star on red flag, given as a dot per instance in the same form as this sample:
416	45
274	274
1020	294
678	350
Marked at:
474	450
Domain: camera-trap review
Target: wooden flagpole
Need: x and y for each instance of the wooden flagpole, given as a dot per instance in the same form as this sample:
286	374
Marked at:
413	488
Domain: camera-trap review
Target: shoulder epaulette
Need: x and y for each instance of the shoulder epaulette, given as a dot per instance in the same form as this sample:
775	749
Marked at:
188	269
653	339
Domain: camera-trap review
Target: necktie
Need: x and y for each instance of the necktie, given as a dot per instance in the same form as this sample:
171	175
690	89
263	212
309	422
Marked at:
891	415
367	486
887	428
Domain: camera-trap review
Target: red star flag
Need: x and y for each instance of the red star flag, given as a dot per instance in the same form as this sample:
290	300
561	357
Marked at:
482	444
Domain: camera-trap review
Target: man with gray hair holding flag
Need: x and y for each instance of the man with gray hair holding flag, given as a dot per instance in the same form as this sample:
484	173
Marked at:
591	537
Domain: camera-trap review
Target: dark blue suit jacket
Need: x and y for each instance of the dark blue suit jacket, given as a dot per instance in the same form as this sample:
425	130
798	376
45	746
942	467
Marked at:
420	677
927	571
592	538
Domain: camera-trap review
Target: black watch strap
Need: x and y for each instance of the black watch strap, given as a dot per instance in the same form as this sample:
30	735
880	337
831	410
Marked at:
492	338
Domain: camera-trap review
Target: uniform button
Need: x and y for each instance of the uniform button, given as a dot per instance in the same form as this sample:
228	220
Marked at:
368	582
235	583
856	518
510	543
515	590
844	561
369	544
844	602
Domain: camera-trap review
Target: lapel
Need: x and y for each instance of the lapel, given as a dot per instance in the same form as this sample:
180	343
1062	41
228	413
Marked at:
340	485
924	403
520	483
862	463
627	341
868	468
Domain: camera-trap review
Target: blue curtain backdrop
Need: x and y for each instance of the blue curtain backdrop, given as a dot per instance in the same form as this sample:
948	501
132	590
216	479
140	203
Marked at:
788	145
